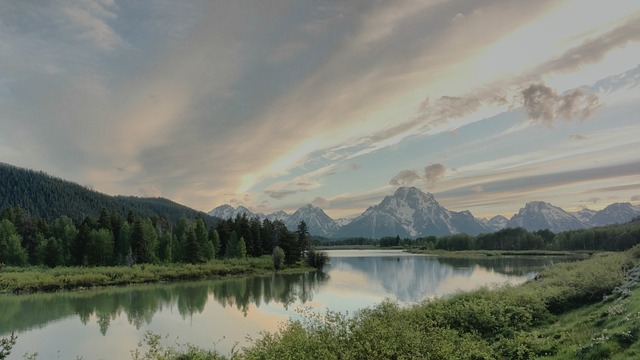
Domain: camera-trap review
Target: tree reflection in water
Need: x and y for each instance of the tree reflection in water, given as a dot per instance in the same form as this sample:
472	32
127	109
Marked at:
140	303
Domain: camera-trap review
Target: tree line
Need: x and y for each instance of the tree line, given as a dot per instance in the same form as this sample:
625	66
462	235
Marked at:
607	238
111	239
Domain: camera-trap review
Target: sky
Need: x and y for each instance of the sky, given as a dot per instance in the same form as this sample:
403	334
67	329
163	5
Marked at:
486	104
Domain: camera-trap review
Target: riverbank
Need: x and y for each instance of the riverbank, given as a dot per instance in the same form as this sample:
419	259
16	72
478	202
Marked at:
36	279
489	253
579	310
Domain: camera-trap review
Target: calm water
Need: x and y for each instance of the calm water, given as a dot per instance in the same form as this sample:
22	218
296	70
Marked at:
108	323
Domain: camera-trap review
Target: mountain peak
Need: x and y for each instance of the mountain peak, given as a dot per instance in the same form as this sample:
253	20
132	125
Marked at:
410	212
318	222
540	215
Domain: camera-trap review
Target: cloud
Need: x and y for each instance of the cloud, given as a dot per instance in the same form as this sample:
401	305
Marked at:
543	103
150	190
354	166
405	178
88	20
321	202
594	200
477	189
593	50
280	194
433	173
577	137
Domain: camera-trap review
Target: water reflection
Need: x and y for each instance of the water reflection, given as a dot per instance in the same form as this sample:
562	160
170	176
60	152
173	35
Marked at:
108	323
140	303
411	278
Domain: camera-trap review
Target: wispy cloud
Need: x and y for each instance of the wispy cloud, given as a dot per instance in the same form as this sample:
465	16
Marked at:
405	178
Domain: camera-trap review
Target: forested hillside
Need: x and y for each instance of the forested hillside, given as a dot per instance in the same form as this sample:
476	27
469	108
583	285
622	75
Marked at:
47	197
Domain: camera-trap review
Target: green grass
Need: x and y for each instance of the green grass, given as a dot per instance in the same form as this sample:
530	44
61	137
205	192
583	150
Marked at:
36	279
489	253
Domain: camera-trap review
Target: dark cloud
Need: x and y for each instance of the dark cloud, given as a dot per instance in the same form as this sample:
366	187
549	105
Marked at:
280	194
405	178
543	103
433	173
321	202
354	166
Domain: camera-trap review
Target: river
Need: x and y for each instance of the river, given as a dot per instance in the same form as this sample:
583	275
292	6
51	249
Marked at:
109	323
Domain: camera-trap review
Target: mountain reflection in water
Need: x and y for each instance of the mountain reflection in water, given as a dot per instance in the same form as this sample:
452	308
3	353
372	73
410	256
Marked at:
108	323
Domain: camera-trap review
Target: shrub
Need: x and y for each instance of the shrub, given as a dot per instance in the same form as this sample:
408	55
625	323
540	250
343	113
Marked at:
6	344
278	258
317	260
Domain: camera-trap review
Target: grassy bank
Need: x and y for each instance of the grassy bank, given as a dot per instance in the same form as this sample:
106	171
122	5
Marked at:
36	279
560	315
488	253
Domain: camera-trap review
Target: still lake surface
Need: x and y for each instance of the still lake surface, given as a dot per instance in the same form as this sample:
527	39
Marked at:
109	323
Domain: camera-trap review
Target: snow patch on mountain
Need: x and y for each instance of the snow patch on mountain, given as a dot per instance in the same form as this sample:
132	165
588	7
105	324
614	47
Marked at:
539	215
318	222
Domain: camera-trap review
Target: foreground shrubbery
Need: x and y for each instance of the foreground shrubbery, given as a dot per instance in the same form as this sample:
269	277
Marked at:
544	318
523	322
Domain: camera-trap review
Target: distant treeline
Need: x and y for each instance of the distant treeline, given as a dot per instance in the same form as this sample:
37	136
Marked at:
111	239
607	238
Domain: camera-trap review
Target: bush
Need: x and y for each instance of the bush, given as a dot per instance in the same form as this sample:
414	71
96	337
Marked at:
278	258
317	260
6	344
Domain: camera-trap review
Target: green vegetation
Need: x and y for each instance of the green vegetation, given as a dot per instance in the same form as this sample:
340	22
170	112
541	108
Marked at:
38	279
112	240
6	344
141	303
580	310
47	197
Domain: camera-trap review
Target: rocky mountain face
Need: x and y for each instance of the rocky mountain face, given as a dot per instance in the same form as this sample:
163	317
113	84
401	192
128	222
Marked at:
537	215
616	213
317	221
229	212
410	212
496	223
584	215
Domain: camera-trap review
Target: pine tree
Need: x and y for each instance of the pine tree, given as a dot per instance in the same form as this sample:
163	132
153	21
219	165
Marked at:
193	251
11	250
214	238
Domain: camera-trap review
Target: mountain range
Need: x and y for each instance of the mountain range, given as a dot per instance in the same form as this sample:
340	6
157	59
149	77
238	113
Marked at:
410	212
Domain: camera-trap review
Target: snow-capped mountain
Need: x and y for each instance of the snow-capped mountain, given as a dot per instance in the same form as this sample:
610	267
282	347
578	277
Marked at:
496	223
317	221
229	212
410	212
278	215
584	215
539	215
629	78
616	213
